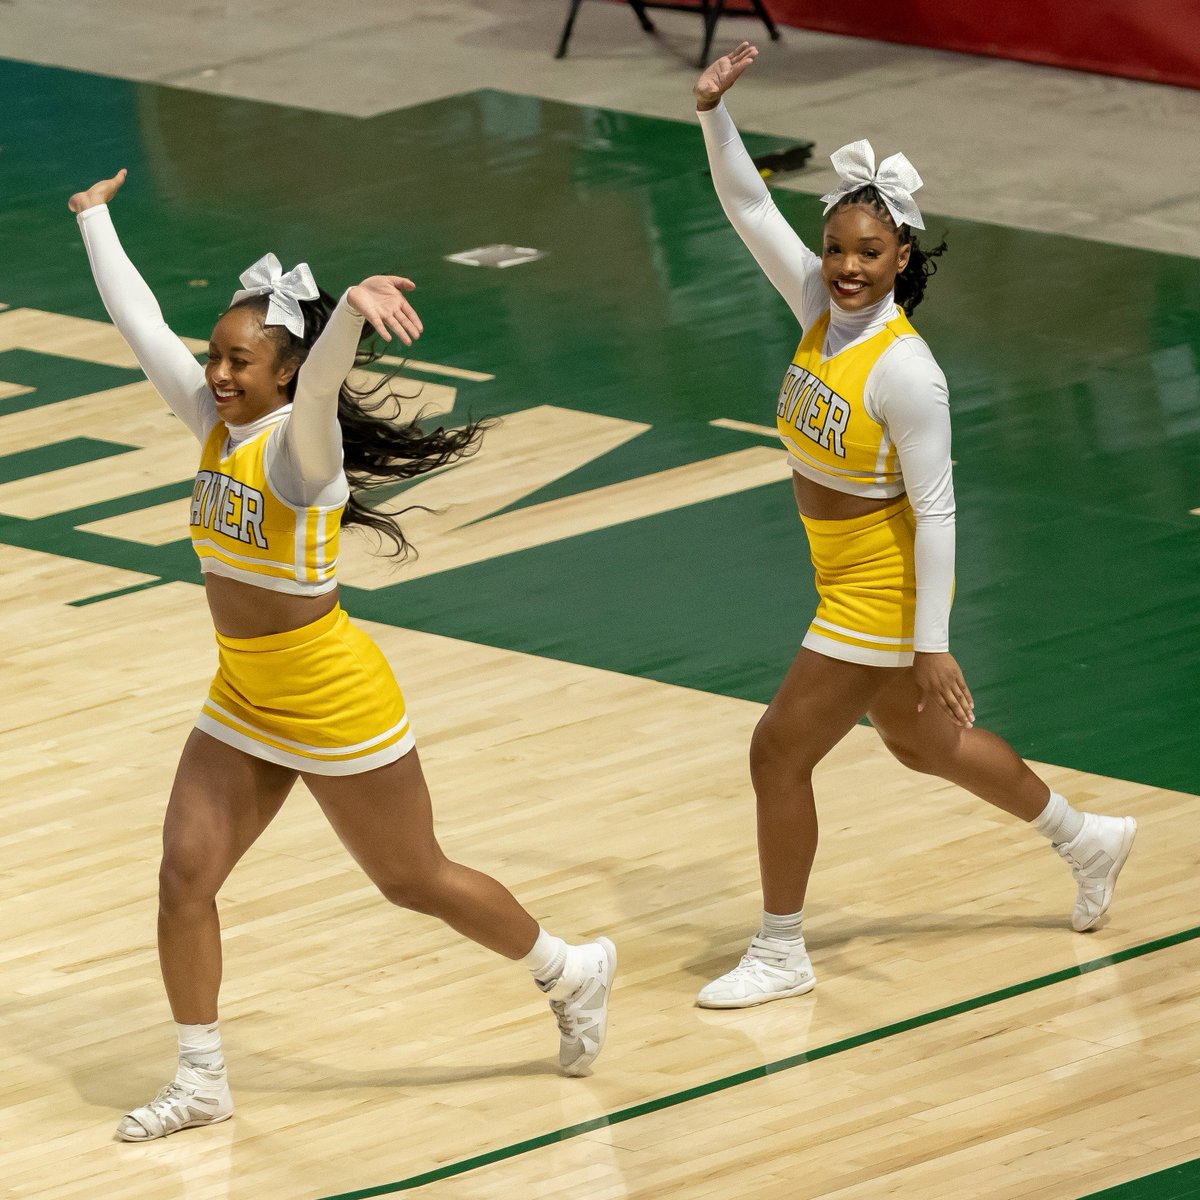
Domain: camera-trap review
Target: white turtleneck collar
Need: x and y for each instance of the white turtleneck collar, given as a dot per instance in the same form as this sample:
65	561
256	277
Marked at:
238	434
848	327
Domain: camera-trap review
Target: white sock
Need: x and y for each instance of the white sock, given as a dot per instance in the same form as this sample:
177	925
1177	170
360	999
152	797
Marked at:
1058	821
783	928
547	959
200	1046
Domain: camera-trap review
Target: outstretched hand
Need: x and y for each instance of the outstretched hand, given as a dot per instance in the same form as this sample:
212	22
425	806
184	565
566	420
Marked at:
939	681
98	193
718	78
381	300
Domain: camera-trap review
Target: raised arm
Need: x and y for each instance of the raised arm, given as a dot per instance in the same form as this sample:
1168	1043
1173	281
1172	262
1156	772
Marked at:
167	362
793	269
309	455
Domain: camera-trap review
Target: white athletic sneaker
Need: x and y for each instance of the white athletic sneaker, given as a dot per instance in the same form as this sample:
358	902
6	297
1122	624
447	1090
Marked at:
770	970
1096	855
194	1097
579	1000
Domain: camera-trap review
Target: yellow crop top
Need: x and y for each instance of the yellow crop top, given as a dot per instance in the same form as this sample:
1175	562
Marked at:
241	529
822	417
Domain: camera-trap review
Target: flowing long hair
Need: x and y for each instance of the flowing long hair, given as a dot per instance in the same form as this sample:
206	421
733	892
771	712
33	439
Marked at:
377	450
910	283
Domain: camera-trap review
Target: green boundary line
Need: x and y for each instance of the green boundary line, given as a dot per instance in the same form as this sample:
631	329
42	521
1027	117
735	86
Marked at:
1175	1183
125	591
771	1068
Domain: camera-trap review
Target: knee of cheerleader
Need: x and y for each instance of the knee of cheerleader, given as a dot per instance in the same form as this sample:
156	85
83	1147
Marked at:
416	893
912	755
185	881
779	755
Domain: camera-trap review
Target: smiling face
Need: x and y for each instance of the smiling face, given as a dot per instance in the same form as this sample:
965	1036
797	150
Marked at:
244	372
861	255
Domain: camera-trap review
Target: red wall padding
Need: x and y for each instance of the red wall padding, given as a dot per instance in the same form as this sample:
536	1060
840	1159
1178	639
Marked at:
1157	40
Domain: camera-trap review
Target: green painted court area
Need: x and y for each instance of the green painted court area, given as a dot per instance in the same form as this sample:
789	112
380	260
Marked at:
1176	1183
1074	371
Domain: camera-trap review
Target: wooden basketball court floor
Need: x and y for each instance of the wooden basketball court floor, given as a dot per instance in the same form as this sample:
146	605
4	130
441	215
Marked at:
602	605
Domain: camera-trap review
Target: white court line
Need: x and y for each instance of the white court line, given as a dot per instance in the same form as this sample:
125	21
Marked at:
434	368
745	427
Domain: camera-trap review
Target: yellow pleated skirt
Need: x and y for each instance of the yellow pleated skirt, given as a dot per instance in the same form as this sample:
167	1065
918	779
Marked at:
867	583
319	699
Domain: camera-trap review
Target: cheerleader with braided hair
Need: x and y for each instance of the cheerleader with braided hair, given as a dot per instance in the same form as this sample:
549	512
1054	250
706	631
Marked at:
864	415
287	444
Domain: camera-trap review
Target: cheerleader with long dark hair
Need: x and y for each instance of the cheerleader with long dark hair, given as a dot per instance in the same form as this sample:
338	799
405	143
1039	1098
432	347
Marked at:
287	447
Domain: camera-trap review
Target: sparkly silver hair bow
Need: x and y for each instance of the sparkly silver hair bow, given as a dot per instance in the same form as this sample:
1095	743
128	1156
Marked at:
266	278
895	181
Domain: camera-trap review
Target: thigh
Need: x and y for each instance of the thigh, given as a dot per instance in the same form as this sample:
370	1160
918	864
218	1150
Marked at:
383	817
222	799
929	735
819	701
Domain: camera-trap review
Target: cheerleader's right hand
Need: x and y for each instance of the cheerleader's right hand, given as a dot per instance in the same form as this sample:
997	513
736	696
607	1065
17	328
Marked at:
718	78
939	681
98	193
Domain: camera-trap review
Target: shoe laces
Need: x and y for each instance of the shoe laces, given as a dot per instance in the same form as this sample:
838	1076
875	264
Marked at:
753	968
567	1024
162	1115
573	1017
173	1093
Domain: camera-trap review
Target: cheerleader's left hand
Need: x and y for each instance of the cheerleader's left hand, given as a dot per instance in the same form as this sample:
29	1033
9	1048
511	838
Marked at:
381	300
939	681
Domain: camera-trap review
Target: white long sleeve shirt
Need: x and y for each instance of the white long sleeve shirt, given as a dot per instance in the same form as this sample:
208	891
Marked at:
304	456
905	392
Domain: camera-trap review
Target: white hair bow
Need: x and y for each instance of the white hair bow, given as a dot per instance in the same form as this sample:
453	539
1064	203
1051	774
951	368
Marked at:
266	278
895	181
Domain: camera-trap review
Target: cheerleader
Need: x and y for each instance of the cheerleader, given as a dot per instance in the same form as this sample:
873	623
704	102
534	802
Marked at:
286	447
864	415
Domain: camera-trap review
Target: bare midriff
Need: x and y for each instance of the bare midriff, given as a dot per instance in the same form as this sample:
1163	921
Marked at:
826	504
241	610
